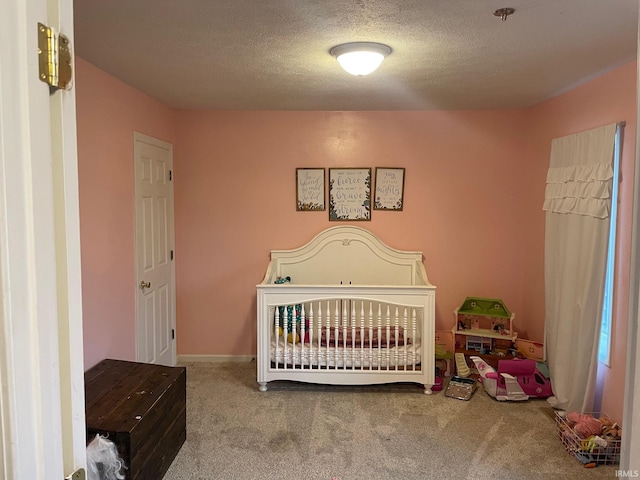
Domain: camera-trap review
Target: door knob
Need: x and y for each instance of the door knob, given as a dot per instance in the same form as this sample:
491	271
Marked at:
144	284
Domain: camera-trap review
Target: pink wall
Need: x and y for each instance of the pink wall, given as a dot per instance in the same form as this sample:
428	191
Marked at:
235	201
473	194
608	99
108	112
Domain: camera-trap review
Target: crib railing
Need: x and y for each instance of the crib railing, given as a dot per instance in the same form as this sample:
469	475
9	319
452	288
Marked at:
346	334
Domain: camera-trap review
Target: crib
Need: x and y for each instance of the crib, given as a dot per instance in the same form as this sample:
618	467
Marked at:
346	309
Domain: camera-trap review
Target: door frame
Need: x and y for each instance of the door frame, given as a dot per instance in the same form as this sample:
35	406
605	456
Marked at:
140	137
630	462
41	350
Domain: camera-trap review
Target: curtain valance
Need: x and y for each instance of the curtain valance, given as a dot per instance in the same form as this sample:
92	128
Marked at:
579	189
580	173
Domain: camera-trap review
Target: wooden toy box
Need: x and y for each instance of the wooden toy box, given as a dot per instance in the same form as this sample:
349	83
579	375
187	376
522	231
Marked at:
142	409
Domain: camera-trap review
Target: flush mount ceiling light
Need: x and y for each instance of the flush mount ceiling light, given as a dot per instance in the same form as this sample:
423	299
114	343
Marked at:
360	58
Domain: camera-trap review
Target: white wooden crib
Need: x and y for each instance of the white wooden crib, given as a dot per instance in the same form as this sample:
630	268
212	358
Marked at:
354	312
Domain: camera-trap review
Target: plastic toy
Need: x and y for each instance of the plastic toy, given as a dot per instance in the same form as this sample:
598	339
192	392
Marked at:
437	386
444	358
515	380
462	369
592	443
461	388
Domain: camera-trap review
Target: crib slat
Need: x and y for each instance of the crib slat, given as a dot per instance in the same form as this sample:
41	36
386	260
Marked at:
397	331
343	327
375	348
361	346
277	335
319	330
327	322
285	336
413	337
378	336
352	324
311	323
302	333
370	324
404	336
336	324
388	331
293	337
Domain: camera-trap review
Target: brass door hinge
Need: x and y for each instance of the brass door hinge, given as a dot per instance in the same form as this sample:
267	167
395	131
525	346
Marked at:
54	58
77	475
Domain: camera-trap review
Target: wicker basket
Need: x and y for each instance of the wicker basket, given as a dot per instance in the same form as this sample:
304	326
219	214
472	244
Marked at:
585	451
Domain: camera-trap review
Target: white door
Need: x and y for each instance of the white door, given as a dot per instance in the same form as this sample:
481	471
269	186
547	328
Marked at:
155	298
42	422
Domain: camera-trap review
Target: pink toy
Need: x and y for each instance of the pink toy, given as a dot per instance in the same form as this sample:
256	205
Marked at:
585	424
532	381
515	379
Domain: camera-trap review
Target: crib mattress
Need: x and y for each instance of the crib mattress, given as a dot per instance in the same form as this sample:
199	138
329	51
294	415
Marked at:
346	357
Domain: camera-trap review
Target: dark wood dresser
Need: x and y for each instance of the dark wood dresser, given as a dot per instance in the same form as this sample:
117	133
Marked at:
142	409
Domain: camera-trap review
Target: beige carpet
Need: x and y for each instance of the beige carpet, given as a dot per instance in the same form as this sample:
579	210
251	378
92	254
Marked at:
298	431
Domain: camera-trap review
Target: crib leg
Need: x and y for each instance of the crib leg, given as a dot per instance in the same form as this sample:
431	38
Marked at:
427	389
263	386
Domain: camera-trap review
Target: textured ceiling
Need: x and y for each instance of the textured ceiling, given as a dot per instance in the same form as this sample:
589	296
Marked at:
274	54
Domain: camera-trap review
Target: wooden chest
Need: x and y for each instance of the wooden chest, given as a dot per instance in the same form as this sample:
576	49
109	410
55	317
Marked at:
142	409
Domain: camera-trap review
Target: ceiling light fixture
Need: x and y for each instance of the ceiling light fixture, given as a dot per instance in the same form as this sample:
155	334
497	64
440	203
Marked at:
360	58
504	13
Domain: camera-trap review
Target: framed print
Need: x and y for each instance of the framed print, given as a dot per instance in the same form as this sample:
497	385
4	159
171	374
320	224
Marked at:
389	189
350	194
310	189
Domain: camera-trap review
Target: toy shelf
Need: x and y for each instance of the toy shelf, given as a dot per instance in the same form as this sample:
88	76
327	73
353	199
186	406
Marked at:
481	332
483	327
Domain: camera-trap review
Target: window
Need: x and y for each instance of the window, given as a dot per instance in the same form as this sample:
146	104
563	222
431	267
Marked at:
604	350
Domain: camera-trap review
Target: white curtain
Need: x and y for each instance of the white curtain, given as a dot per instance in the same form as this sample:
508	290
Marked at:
577	204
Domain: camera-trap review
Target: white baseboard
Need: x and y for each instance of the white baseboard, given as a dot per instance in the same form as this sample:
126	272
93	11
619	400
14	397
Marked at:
215	358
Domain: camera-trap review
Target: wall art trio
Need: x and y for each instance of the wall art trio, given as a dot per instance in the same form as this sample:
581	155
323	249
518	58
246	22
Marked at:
350	191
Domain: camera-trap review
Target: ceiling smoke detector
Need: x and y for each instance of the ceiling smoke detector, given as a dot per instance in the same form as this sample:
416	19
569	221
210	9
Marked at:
503	13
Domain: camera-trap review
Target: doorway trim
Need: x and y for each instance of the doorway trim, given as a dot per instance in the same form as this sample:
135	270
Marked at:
42	424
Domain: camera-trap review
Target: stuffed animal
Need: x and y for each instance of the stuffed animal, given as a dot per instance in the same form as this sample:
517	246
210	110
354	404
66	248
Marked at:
292	312
610	428
584	424
103	460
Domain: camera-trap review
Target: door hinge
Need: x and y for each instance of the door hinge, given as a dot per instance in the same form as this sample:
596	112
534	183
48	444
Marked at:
54	58
171	254
170	175
173	334
77	475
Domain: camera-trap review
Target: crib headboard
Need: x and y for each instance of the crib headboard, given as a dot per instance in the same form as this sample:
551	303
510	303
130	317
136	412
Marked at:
347	254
